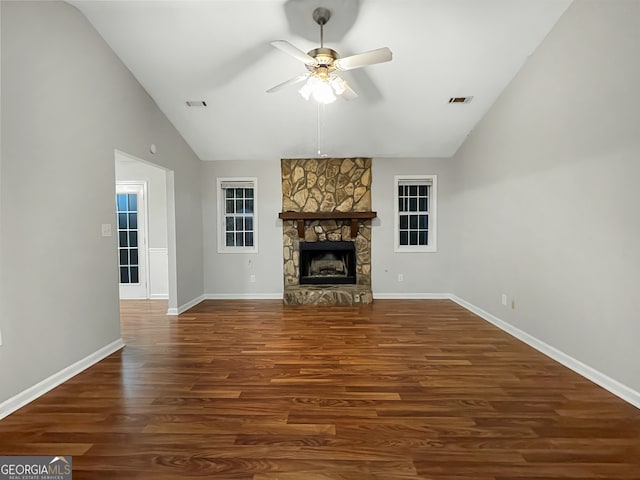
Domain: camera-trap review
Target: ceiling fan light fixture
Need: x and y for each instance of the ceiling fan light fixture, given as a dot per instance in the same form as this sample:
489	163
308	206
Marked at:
338	84
305	91
319	89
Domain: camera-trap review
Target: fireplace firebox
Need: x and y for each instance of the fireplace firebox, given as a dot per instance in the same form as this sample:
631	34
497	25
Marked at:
327	262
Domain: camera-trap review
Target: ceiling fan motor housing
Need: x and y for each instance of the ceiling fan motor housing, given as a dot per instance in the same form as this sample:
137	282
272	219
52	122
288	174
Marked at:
324	56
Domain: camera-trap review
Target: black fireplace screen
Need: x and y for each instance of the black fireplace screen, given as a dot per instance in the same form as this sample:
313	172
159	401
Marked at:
327	263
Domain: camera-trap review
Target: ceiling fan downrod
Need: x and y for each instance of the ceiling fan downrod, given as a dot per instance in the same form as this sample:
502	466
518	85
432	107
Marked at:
321	16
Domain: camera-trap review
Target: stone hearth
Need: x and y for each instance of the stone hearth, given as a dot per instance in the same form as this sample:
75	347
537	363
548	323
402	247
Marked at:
325	185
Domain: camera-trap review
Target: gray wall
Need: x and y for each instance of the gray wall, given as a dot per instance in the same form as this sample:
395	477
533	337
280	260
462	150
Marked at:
67	103
229	273
423	273
548	193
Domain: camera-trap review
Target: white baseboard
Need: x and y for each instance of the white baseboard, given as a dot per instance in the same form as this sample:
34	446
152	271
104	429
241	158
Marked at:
411	296
21	399
243	296
279	296
619	389
223	296
183	308
158	296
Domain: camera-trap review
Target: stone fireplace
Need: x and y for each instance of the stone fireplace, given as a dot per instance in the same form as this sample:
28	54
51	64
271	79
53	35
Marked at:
326	213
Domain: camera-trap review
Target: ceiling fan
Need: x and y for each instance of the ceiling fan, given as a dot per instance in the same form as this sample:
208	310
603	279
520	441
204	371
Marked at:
322	81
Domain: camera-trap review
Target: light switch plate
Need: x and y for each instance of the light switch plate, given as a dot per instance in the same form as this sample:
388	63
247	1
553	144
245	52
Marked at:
106	229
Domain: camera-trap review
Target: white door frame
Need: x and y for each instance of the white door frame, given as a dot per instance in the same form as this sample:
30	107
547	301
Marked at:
143	240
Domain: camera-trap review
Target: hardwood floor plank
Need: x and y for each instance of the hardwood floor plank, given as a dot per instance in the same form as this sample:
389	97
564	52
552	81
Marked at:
397	390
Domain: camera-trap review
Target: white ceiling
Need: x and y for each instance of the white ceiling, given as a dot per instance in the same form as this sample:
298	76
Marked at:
218	51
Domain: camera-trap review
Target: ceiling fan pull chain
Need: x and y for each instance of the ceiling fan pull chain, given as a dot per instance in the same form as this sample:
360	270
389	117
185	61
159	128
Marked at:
319	130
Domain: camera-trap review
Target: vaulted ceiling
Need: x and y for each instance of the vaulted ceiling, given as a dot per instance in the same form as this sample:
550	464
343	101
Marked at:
219	51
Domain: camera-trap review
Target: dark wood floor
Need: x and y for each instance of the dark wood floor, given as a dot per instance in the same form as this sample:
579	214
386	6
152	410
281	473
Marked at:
400	390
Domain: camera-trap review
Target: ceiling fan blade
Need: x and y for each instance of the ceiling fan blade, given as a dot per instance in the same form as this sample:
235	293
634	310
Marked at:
291	81
295	52
349	93
363	59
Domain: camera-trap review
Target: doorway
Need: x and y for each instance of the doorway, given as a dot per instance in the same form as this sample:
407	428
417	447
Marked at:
156	216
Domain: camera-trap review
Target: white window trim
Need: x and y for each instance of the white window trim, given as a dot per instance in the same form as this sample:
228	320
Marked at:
433	211
222	248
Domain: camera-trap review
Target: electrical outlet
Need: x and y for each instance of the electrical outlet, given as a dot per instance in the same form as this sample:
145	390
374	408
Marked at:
356	298
504	299
400	277
0	337
106	229
252	279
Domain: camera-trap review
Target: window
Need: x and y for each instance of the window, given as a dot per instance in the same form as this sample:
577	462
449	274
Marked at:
415	213
237	215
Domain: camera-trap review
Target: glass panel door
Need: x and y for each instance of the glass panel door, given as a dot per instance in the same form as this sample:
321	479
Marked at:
131	246
127	204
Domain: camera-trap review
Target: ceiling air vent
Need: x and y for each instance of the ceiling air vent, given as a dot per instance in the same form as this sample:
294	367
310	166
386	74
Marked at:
196	103
460	99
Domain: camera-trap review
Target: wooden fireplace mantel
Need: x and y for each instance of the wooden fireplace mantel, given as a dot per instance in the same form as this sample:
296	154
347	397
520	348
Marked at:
300	217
